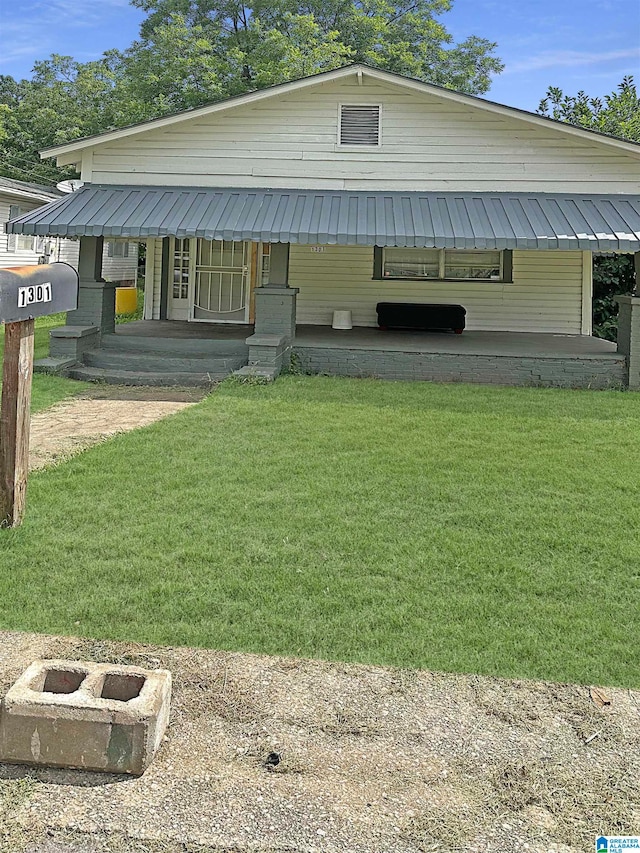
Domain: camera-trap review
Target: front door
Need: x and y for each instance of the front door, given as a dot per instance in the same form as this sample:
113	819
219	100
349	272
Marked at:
179	277
211	281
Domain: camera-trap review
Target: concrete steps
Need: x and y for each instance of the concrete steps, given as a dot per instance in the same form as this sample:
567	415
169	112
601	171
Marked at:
140	360
132	377
176	346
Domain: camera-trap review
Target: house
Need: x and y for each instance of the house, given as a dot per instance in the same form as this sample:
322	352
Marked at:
120	258
266	213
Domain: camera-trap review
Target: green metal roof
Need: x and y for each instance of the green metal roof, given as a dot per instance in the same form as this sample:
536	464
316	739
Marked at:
420	219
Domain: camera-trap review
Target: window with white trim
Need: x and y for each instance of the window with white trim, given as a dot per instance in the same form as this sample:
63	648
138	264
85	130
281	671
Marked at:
359	124
442	264
19	242
116	249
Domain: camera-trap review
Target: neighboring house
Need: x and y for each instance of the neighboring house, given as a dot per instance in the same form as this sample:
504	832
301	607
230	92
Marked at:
277	208
120	259
17	198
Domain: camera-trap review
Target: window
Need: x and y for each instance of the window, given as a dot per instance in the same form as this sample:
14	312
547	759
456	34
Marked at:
456	264
180	285
359	124
265	264
19	242
117	249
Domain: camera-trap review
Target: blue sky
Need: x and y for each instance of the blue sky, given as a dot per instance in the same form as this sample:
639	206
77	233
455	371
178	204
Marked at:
574	44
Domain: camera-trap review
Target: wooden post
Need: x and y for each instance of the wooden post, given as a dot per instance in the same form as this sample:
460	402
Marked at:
15	419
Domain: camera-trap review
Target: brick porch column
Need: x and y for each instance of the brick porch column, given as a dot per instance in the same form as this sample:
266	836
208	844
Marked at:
629	337
96	311
275	318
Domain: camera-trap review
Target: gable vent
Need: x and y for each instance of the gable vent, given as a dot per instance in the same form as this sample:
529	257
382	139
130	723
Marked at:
359	125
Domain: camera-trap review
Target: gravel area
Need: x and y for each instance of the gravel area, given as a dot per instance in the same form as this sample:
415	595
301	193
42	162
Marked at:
274	754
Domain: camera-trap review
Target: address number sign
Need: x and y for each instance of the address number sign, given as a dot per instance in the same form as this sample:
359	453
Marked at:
35	291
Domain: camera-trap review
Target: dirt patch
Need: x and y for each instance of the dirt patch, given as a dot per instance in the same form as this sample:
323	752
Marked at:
74	425
144	393
295	755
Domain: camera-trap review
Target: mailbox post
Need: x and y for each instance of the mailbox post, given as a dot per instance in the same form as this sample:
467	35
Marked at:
25	293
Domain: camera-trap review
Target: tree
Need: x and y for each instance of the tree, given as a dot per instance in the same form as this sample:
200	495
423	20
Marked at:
617	115
64	100
271	41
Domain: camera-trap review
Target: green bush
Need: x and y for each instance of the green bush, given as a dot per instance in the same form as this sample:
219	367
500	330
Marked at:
612	275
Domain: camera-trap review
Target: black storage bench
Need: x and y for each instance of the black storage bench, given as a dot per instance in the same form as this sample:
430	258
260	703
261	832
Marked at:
420	315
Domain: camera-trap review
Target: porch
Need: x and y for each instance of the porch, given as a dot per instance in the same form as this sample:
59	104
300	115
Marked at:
519	344
232	256
170	352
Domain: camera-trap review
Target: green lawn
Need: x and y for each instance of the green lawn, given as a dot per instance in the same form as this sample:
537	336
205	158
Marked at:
451	527
46	390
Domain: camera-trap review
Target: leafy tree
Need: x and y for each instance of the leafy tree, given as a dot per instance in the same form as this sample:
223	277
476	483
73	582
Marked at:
64	100
612	275
317	35
617	115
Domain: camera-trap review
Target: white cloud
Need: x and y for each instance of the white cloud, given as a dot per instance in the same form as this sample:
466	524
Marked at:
568	58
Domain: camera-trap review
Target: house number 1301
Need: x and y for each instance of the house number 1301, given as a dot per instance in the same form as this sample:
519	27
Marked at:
35	293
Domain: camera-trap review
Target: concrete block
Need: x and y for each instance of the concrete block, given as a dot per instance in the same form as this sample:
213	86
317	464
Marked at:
70	342
87	716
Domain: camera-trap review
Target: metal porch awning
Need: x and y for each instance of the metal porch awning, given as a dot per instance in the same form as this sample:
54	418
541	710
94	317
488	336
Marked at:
367	218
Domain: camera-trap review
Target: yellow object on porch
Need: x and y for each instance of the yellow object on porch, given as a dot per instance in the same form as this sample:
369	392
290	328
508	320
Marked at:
126	300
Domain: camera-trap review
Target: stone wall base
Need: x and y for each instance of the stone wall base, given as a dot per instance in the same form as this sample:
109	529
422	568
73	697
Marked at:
593	373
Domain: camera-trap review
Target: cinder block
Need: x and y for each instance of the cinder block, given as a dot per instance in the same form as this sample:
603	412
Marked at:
88	716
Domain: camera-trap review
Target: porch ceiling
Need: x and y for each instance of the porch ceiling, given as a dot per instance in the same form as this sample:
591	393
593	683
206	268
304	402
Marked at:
416	219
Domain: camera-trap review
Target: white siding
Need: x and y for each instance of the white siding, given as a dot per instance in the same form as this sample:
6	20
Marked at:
428	143
120	269
545	296
113	269
157	278
16	257
149	282
67	251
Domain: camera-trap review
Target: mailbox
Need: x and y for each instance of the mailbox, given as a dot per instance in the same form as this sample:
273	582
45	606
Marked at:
35	291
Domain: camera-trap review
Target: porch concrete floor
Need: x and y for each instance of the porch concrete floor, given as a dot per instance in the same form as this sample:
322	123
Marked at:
523	344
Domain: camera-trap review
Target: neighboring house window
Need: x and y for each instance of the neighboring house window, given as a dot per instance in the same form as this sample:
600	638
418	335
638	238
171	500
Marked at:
117	250
359	124
454	264
20	242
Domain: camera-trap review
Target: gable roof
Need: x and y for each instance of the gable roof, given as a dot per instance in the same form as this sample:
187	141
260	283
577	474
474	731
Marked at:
360	70
22	189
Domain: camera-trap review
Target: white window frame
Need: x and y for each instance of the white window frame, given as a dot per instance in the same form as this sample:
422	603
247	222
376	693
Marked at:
112	246
368	147
441	268
19	242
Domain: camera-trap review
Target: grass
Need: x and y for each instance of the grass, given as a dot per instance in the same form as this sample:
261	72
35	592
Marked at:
453	527
46	390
